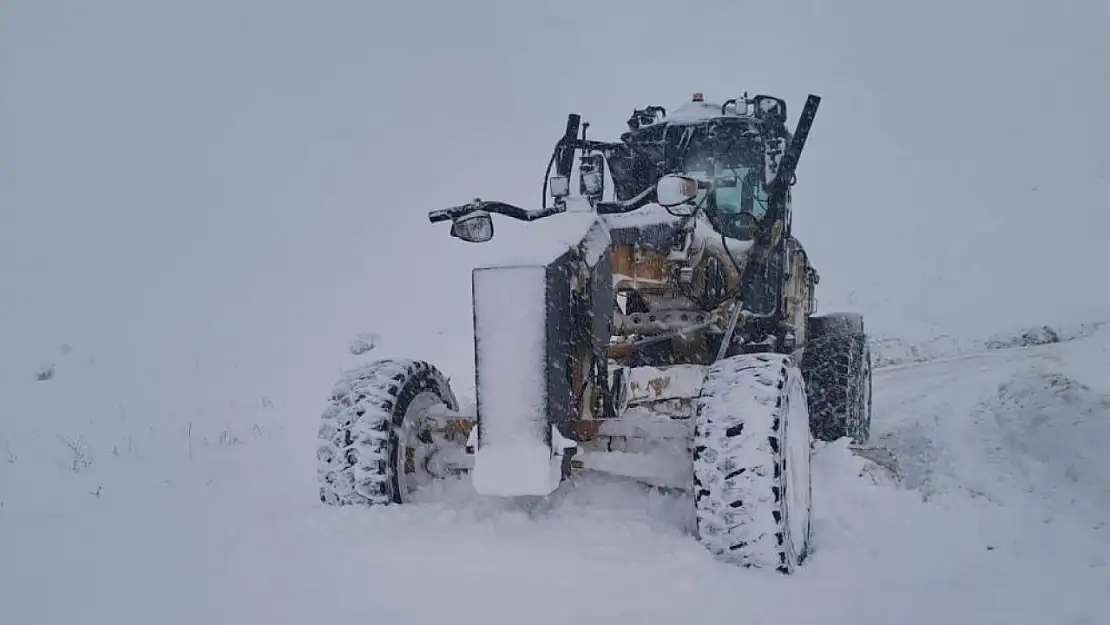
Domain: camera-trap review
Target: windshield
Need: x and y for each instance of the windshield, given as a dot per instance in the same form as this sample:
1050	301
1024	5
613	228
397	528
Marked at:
735	209
747	197
733	147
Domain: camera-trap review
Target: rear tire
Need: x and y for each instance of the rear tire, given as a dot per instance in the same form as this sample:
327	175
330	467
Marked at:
752	487
373	436
837	369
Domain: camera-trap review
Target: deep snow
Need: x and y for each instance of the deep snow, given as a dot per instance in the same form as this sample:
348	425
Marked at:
1001	519
202	203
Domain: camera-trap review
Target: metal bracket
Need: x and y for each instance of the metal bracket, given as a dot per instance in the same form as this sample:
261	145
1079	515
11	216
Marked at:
726	338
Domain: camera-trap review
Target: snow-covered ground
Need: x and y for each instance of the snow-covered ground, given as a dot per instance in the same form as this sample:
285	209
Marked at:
1001	518
897	350
202	203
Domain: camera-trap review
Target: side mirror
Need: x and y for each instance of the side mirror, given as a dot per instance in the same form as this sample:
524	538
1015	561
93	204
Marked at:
476	227
672	190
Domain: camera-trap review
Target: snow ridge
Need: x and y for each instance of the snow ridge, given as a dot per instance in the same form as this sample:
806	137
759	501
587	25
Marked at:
892	351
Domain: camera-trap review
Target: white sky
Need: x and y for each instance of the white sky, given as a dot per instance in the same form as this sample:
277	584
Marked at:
243	175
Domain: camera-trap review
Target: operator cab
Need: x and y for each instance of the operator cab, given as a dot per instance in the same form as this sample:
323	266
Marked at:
708	141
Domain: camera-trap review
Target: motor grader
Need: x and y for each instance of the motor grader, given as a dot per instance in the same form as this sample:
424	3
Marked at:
664	330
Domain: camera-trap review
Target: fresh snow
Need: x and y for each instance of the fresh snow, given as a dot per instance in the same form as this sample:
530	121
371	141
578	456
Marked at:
595	244
518	468
1000	518
510	329
647	215
693	112
363	343
897	350
201	203
704	233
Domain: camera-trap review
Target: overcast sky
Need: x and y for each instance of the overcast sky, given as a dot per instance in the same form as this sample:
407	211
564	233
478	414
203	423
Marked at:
250	174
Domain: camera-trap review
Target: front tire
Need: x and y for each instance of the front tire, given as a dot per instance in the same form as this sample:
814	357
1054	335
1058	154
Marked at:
374	436
752	487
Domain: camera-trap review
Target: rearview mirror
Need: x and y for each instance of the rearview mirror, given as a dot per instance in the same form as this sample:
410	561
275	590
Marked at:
672	190
476	227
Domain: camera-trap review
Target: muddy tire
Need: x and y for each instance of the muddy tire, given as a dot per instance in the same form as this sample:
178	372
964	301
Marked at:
837	369
752	487
373	436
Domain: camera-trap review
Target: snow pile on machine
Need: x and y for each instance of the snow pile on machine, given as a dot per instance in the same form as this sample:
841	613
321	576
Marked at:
511	349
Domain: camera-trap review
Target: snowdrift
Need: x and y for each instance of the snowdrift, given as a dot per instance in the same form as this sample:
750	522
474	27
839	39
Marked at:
891	351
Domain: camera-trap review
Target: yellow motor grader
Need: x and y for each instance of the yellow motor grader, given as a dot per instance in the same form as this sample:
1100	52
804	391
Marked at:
663	329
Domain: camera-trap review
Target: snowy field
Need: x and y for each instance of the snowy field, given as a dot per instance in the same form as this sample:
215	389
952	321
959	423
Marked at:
202	203
1001	518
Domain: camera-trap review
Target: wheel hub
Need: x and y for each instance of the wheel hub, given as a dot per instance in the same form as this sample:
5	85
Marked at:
412	452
